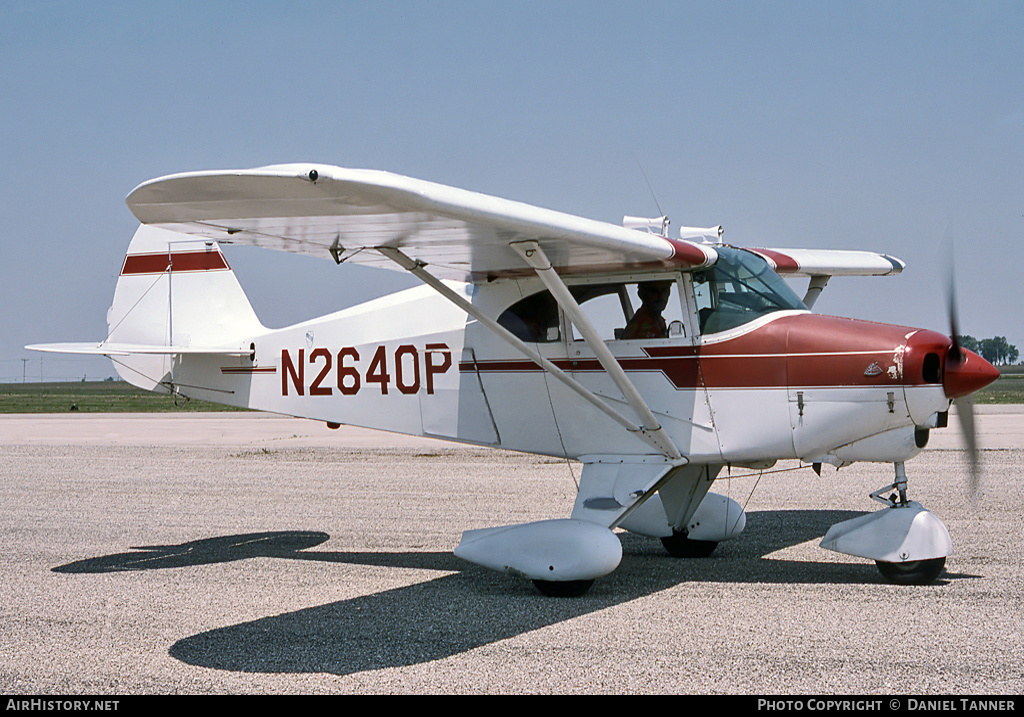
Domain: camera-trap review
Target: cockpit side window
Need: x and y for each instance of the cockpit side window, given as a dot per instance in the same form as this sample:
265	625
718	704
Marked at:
631	310
739	288
609	307
533	319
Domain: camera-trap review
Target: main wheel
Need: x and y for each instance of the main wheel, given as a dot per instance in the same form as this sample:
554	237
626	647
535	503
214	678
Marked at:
679	546
563	588
914	572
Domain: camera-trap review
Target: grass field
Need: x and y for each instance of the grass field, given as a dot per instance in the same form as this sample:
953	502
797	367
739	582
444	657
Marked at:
121	397
92	397
1008	389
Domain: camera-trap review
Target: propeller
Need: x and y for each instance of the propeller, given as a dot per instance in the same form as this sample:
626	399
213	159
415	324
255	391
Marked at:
965	372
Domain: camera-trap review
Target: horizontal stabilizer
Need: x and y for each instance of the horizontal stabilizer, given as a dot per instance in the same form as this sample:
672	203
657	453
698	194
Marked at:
122	349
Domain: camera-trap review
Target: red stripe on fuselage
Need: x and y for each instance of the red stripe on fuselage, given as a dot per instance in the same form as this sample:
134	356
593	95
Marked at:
177	261
804	350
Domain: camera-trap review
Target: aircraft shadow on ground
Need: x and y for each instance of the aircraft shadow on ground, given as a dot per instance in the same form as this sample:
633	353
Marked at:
280	544
466	608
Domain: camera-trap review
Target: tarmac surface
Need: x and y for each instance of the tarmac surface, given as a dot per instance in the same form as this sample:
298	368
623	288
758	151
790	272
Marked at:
249	553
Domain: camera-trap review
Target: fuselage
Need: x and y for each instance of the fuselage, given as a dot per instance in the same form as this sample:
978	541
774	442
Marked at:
785	384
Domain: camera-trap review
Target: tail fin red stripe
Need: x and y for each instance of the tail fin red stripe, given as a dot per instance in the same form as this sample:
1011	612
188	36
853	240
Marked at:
178	261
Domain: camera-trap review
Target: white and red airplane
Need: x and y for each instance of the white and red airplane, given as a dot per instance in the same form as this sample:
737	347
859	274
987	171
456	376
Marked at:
525	336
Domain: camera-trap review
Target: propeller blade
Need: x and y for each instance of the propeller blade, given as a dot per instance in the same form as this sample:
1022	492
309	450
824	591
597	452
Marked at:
960	380
965	414
956	353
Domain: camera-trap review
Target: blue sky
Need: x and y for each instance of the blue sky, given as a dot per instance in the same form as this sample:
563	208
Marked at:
896	127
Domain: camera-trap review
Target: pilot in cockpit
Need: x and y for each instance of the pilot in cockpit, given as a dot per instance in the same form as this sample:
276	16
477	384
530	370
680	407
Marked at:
647	322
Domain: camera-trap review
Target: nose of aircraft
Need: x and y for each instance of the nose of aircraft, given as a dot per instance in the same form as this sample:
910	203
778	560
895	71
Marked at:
966	372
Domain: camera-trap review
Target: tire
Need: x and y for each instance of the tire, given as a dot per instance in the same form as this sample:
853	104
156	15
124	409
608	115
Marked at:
915	572
563	588
679	546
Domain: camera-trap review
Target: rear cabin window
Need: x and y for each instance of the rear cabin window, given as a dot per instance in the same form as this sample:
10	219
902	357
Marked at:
533	319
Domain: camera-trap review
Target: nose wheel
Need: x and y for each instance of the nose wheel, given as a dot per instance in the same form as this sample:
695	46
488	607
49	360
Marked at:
914	572
908	543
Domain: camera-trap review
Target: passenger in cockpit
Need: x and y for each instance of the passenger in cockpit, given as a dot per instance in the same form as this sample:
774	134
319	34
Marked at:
647	322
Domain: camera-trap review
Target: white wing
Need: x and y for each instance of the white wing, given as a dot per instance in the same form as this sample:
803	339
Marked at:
830	262
346	213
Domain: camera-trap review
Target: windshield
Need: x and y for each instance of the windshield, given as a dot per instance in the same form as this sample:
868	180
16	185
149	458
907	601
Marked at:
739	288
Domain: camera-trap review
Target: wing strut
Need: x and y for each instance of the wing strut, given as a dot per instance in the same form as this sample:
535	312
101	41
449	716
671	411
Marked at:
814	289
416	269
650	426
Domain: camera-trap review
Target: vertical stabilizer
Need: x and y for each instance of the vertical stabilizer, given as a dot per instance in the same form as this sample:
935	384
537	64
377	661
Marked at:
175	290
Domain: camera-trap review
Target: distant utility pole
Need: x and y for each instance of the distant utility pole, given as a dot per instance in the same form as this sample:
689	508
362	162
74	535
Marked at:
24	362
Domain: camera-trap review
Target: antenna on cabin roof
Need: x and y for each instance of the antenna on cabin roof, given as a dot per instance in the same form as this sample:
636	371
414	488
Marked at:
663	217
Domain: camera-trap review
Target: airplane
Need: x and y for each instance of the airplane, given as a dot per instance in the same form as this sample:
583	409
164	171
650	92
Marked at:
523	336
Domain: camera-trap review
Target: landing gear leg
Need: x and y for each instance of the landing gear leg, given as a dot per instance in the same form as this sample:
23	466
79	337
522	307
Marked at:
899	497
911	572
